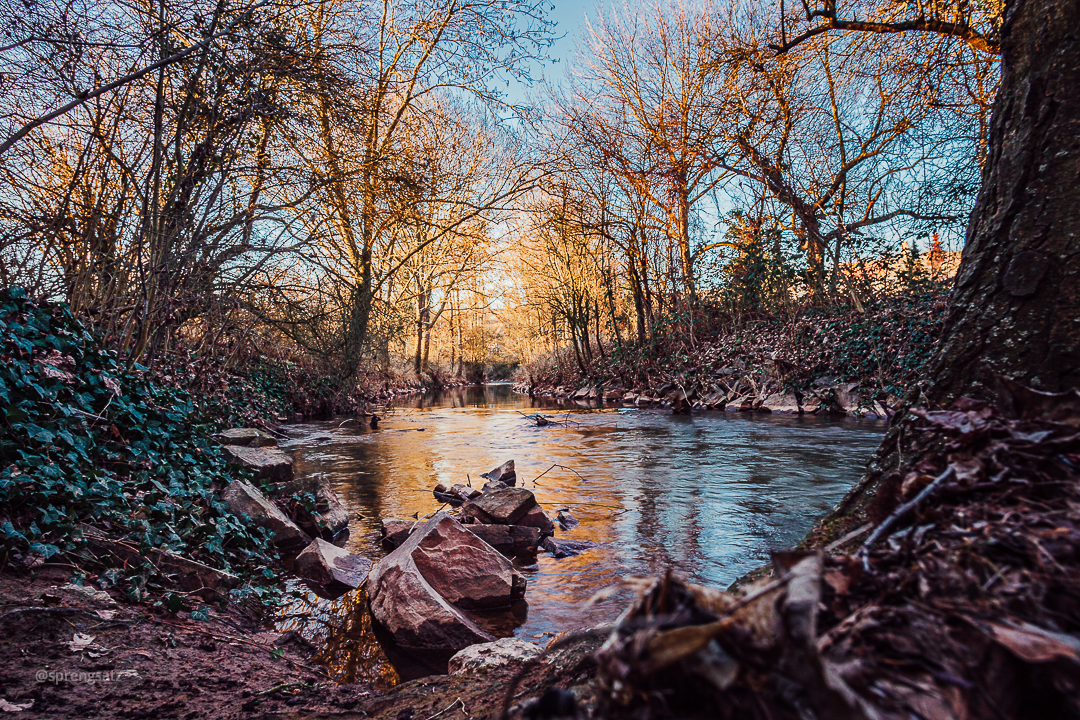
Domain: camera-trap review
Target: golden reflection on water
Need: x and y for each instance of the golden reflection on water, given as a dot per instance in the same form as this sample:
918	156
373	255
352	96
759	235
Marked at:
342	633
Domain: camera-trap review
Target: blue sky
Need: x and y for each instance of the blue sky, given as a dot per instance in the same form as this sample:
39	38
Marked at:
570	16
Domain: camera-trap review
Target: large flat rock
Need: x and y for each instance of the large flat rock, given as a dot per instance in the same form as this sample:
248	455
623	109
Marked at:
417	590
486	656
266	463
507	539
244	499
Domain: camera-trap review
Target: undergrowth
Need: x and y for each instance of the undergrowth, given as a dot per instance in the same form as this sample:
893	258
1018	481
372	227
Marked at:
85	439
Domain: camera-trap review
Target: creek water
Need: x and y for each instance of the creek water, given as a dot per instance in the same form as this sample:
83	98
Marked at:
707	494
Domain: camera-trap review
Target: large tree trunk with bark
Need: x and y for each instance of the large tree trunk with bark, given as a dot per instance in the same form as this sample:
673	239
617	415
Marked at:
1015	308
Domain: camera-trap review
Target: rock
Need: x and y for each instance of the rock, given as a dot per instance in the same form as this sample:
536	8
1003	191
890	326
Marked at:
566	548
714	401
486	656
566	520
505	473
612	395
630	398
395	532
96	598
781	403
507	539
493	485
411	590
740	403
502	507
457	495
246	437
327	519
846	398
327	564
537	518
243	499
466	492
680	403
581	394
272	465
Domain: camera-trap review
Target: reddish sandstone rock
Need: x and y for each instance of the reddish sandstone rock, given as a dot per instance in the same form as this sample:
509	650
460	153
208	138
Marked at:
505	473
502	507
267	463
537	518
244	499
327	564
416	590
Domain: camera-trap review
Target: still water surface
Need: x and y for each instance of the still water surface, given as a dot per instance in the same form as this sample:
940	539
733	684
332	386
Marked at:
708	494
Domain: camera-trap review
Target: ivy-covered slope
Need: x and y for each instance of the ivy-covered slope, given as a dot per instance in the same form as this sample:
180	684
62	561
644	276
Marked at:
85	440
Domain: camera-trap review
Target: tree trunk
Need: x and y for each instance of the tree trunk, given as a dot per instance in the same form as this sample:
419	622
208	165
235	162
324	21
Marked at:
1015	309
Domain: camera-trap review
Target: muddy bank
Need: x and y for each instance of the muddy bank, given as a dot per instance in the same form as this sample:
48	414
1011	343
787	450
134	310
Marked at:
72	654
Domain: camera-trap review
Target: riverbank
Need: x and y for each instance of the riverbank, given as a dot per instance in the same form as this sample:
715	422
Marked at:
816	361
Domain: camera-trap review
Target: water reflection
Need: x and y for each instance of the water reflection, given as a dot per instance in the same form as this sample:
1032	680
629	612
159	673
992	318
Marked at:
709	494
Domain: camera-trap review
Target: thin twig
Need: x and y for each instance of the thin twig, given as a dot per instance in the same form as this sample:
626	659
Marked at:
864	551
449	708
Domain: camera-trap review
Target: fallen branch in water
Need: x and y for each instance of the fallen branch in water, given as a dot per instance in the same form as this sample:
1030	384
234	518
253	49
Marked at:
545	420
556	465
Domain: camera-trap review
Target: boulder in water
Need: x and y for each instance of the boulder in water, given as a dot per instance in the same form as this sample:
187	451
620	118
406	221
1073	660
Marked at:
416	590
505	473
781	404
327	565
395	532
537	518
502	507
507	539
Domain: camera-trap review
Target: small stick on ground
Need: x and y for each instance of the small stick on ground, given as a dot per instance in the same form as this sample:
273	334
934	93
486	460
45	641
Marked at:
864	551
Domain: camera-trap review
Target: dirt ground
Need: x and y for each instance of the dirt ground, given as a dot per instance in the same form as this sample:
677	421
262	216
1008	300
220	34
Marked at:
143	662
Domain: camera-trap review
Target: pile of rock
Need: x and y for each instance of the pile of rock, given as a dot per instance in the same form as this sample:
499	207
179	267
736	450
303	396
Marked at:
292	523
507	518
738	390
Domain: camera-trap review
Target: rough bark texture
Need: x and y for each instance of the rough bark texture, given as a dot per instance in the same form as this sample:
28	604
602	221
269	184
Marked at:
1015	310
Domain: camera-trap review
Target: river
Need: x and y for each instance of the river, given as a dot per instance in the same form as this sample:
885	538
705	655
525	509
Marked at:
707	494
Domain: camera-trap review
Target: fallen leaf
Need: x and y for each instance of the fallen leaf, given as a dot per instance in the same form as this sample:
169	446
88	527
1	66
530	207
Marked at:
105	614
6	706
80	642
1035	644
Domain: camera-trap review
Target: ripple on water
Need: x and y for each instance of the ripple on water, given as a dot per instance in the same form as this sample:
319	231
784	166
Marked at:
708	494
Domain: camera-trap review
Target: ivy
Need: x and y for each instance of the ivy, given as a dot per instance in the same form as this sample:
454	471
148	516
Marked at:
87	440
